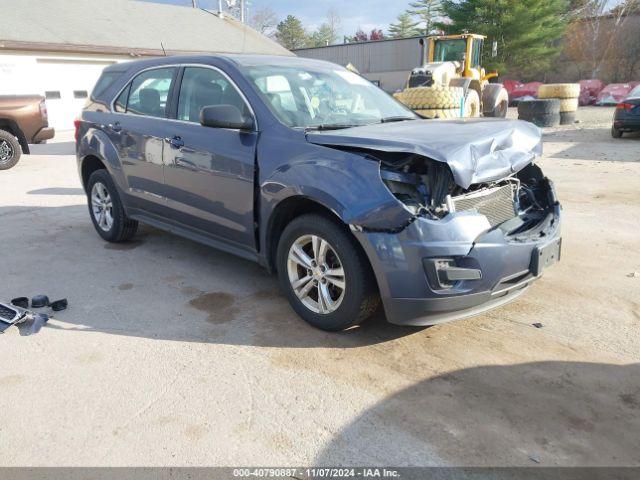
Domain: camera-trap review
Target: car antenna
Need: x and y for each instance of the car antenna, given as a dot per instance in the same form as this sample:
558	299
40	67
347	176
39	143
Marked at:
163	51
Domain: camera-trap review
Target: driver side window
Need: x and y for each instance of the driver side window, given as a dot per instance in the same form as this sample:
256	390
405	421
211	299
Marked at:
204	87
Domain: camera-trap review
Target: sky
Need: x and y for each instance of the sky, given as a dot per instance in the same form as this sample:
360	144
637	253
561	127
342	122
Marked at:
365	14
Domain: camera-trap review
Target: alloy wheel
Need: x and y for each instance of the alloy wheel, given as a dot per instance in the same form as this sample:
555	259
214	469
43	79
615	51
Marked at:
316	274
102	206
6	151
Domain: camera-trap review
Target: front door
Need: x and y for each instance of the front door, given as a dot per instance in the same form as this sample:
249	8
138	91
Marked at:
209	172
138	131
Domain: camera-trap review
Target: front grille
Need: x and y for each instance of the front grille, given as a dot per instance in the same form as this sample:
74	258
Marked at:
497	204
7	314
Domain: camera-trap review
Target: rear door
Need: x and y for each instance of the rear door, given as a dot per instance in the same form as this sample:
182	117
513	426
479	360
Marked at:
138	131
209	172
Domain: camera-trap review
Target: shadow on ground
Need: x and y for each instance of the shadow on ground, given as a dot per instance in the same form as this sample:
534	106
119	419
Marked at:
57	148
157	286
547	414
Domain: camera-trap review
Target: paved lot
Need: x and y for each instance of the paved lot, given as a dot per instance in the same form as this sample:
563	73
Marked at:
172	353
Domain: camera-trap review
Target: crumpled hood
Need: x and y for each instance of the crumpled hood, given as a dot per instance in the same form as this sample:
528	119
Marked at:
477	150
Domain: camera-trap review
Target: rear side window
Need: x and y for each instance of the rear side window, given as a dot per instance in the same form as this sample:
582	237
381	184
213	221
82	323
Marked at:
104	82
148	93
205	87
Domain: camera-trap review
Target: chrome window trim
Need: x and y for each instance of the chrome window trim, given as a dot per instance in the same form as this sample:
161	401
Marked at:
181	65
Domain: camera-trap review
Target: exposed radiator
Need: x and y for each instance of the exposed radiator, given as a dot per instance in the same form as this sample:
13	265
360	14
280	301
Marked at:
497	204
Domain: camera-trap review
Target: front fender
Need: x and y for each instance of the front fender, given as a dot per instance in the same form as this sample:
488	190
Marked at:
348	184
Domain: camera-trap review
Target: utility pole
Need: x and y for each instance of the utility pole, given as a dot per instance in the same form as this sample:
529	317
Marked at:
241	11
194	4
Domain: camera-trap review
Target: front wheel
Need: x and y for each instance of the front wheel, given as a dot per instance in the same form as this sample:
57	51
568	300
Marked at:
326	278
10	150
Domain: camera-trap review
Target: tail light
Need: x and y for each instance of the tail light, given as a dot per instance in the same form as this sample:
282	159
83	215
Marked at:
43	110
624	106
76	124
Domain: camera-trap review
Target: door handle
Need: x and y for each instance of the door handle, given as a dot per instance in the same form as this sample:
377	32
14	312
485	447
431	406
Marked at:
175	142
115	127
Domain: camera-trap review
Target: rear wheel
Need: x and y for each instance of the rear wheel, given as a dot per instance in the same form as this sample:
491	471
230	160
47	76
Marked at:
10	150
615	133
500	105
326	278
105	208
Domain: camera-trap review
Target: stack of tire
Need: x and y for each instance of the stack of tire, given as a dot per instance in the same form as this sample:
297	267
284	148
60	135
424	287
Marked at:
440	102
567	94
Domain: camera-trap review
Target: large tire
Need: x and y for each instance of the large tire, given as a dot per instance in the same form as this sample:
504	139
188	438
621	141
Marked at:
567	118
499	104
10	150
559	90
568	105
121	228
359	298
544	119
435	97
439	113
529	108
472	104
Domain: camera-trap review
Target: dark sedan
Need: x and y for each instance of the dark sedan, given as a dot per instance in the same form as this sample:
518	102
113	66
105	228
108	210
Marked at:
627	116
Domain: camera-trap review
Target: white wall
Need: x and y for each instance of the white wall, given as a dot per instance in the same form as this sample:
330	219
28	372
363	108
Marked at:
60	74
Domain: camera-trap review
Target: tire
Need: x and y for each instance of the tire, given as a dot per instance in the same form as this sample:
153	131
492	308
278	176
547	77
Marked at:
544	120
472	104
500	105
568	105
529	108
615	133
434	97
121	228
567	118
10	150
439	113
559	90
355	302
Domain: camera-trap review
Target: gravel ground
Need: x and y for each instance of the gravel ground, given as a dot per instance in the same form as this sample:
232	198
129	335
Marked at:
172	353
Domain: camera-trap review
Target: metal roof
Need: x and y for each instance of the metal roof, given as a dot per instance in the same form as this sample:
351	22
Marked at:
125	27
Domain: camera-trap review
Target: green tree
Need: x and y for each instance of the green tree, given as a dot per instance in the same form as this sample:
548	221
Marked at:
528	32
404	27
428	11
322	37
290	33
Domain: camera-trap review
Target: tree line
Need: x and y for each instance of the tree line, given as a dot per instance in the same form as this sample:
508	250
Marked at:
533	36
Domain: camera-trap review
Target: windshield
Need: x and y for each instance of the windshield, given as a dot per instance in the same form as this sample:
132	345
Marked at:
450	50
324	98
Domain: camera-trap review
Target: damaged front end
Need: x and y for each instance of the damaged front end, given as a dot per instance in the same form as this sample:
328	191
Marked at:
516	204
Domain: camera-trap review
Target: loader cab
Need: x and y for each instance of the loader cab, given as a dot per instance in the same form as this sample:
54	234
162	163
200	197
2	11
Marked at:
465	49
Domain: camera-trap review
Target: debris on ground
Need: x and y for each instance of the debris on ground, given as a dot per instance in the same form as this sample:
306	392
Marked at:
634	275
537	325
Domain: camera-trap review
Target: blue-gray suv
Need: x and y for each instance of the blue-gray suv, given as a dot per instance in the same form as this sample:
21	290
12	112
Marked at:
315	173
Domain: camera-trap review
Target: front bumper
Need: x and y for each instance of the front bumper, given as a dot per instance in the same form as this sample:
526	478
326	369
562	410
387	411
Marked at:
407	290
46	133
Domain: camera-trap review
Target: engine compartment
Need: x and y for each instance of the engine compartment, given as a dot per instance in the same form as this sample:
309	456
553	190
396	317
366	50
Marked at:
516	204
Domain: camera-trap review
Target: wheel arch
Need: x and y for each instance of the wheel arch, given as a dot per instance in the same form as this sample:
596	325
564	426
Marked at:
286	211
13	128
90	164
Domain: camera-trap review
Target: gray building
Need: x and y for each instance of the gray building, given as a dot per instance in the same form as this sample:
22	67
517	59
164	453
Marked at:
386	62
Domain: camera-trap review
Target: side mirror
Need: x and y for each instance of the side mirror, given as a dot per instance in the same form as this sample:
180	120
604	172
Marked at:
225	116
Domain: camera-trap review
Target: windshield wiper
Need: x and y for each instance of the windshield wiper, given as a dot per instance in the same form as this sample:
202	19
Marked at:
395	119
330	126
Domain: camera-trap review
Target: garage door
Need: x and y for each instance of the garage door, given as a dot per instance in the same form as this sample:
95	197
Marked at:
67	85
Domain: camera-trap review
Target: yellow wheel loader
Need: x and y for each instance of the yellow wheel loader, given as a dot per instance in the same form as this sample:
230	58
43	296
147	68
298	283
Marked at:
452	83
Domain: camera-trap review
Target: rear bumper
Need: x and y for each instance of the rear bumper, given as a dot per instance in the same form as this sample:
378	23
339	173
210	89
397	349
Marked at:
46	133
407	288
629	125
